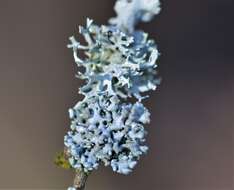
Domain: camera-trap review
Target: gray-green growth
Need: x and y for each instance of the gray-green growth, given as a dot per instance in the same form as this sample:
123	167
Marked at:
119	63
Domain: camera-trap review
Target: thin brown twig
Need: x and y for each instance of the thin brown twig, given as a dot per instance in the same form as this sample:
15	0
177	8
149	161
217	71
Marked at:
80	176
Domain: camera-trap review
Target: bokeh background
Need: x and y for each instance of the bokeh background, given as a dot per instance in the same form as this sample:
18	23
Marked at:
191	133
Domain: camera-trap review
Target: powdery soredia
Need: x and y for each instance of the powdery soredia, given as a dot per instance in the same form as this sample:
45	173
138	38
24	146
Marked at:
119	63
130	12
104	130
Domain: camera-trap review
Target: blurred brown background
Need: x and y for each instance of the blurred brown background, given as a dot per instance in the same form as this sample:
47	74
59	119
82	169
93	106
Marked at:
191	133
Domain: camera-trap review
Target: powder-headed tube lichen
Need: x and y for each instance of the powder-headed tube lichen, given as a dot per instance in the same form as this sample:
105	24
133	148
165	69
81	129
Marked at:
119	64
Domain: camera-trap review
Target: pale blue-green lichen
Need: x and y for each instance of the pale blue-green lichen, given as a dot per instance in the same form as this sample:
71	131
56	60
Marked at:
105	130
130	12
119	63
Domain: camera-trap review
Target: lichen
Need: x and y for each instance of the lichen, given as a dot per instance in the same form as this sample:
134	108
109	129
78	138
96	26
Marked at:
103	130
119	64
130	12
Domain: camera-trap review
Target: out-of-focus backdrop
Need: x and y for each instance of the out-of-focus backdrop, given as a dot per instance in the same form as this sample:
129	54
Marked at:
191	133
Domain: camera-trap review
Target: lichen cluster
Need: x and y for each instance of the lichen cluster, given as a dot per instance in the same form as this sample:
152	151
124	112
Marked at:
105	130
119	63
